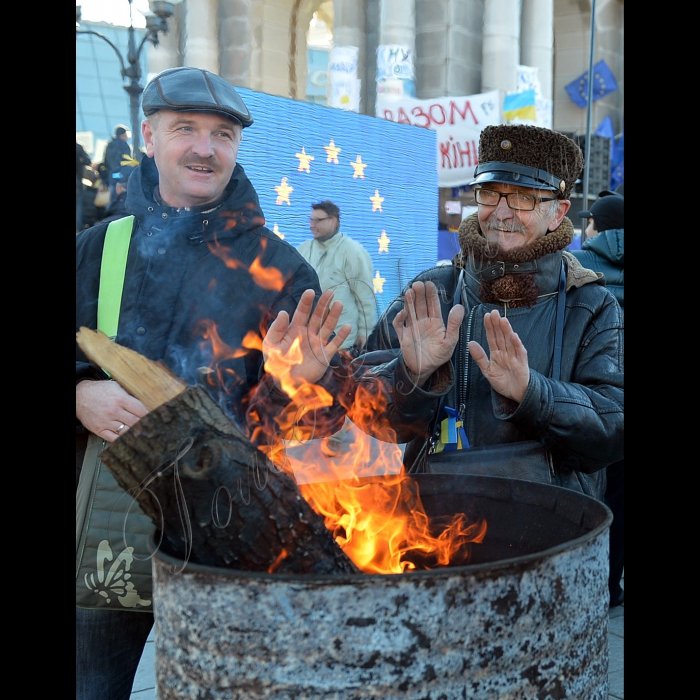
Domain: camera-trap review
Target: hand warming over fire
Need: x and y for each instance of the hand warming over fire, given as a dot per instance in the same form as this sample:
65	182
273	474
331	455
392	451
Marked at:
426	343
300	351
507	369
105	409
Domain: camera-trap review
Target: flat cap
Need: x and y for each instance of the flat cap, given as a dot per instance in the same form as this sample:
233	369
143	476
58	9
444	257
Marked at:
528	156
189	89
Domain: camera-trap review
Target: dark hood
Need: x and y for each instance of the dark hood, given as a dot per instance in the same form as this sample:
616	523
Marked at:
609	244
237	212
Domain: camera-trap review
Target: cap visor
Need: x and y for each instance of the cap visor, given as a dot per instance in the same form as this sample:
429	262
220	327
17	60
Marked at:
511	179
586	214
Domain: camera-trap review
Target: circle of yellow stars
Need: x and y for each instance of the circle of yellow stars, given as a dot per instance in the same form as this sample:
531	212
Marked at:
284	189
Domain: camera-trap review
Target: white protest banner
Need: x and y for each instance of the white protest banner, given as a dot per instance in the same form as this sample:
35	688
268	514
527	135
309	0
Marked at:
342	75
458	122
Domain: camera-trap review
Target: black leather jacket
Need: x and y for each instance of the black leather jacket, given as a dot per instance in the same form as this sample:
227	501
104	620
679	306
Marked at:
580	418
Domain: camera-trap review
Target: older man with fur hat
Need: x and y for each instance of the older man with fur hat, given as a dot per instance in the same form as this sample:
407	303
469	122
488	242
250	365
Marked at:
515	348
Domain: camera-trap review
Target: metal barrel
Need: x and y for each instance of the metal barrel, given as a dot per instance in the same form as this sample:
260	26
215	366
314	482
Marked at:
526	619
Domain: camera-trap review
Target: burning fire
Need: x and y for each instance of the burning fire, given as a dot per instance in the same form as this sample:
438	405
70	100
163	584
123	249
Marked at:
371	506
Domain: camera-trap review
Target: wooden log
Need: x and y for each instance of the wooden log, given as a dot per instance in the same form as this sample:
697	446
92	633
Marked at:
211	494
152	383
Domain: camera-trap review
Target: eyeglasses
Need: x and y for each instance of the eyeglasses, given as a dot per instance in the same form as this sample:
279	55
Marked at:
515	200
316	221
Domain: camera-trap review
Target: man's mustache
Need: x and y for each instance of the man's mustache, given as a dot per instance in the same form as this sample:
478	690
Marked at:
511	226
210	163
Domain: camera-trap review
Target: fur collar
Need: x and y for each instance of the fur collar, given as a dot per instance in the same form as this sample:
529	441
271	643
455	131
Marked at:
516	289
472	242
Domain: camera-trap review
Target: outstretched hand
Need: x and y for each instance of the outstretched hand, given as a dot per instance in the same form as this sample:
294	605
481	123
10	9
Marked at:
299	351
507	369
426	343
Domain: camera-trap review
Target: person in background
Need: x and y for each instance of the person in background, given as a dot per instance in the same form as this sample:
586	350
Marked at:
603	249
478	337
344	266
82	159
115	151
116	209
604	252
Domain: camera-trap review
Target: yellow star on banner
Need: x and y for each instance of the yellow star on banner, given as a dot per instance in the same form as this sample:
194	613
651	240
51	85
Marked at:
359	167
332	150
304	159
384	243
283	190
277	231
376	201
378	283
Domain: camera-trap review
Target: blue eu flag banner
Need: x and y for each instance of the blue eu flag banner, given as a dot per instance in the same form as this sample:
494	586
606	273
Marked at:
605	128
603	84
617	174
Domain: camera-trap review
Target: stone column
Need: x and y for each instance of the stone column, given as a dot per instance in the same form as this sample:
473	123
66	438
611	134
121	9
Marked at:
397	22
349	29
235	37
397	26
202	35
501	46
537	41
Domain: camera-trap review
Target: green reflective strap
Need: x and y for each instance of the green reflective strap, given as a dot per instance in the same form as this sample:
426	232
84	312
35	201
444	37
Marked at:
114	253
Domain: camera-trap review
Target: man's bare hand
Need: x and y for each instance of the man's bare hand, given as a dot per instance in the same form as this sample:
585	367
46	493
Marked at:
105	409
506	369
300	350
426	343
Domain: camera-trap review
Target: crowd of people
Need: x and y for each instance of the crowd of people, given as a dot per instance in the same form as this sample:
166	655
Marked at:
518	340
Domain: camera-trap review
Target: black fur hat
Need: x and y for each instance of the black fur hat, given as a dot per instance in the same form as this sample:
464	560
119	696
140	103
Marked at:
529	156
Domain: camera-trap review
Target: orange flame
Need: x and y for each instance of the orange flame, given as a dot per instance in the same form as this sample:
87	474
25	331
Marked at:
265	277
371	506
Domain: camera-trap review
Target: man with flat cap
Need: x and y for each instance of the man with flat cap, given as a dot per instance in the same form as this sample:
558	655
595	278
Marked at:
203	275
516	349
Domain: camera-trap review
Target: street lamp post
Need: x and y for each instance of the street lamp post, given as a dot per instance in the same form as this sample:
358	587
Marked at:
131	68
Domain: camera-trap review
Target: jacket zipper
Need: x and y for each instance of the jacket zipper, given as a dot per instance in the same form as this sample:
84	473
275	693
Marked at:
465	365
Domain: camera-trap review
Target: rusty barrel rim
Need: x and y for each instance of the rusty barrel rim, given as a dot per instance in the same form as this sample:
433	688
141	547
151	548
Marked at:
487	569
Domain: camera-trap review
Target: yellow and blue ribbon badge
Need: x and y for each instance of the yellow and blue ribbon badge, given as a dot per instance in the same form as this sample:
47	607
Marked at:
452	435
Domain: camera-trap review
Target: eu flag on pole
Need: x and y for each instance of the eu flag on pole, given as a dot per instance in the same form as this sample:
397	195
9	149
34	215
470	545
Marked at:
520	104
605	128
603	84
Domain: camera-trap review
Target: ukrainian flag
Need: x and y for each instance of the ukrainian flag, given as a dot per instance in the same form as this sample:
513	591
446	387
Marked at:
520	104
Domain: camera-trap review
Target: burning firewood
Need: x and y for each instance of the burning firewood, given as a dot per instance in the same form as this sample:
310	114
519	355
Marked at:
212	496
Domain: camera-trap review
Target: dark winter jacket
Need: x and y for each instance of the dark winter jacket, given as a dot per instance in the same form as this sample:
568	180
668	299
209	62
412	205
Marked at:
606	253
114	152
201	283
579	418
